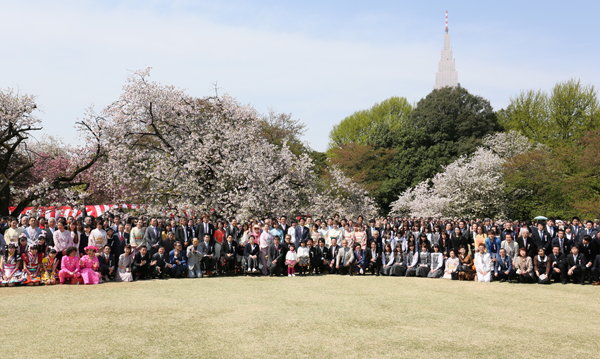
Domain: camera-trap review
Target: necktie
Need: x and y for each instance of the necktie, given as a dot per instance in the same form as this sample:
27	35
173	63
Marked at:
345	250
155	232
205	228
121	237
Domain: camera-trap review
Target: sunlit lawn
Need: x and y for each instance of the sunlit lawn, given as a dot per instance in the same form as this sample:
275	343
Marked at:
327	317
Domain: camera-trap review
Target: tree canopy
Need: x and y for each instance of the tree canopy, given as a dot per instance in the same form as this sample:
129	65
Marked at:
558	118
357	127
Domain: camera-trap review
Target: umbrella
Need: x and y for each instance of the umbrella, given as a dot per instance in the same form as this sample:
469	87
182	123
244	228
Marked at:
540	218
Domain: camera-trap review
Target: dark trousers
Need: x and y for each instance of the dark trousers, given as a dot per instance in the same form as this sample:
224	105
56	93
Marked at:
343	270
525	278
229	263
209	263
178	271
105	272
373	267
141	271
502	275
332	268
578	275
595	274
562	276
275	269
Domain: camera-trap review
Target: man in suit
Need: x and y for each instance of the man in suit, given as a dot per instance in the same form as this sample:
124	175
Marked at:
233	230
526	242
371	228
208	249
560	241
203	228
503	269
161	265
344	261
321	265
551	228
108	265
332	253
229	253
50	228
373	258
576	266
576	230
141	264
118	241
180	231
153	237
194	258
558	265
596	271
302	233
590	231
276	254
541	238
507	229
376	238
284	225
589	249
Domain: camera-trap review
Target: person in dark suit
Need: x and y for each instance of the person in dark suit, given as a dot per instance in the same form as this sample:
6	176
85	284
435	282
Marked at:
373	259
276	254
228	254
456	240
541	238
283	224
161	265
590	231
588	248
503	269
208	248
576	230
551	228
371	228
595	270
560	241
332	253
302	233
178	262
153	237
251	254
108	265
203	228
141	264
576	266
321	265
118	241
180	231
558	265
526	242
359	259
233	230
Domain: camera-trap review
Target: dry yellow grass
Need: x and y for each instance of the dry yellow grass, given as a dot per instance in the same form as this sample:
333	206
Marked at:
326	317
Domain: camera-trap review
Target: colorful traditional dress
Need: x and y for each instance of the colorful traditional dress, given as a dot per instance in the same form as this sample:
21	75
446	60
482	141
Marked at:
69	264
136	239
89	268
31	263
361	237
334	233
12	274
97	239
50	270
349	236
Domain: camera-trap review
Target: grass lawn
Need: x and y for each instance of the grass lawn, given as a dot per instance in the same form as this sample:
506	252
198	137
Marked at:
325	317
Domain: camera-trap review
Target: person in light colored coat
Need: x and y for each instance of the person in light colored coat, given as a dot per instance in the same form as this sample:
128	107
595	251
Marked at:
194	258
483	265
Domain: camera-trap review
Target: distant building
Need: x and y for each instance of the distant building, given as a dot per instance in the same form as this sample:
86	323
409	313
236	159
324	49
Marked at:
446	75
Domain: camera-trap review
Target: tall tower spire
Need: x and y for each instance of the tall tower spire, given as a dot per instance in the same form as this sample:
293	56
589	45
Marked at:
446	21
447	74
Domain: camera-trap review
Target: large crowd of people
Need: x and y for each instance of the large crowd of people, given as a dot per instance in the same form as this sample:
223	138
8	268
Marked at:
88	250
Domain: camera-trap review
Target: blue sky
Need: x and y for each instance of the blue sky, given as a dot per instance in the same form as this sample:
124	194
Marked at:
319	60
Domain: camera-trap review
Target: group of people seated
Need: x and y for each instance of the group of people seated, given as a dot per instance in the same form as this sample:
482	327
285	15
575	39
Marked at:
90	250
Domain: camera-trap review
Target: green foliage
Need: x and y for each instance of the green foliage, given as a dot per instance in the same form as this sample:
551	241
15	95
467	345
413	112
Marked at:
446	124
558	118
562	182
366	165
280	128
357	127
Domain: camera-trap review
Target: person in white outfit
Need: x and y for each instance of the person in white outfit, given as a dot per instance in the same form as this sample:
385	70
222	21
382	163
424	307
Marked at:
483	265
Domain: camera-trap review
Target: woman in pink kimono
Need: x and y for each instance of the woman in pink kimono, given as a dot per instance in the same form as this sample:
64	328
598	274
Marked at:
69	266
90	266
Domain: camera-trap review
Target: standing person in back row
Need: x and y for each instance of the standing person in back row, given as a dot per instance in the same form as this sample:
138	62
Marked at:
203	228
152	237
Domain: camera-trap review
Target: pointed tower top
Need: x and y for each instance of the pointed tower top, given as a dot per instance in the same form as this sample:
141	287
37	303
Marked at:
446	21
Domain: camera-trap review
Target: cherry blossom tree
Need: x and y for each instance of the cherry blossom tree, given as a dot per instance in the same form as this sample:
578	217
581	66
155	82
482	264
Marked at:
472	186
29	173
180	153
